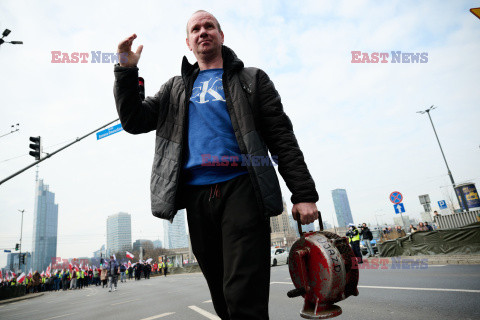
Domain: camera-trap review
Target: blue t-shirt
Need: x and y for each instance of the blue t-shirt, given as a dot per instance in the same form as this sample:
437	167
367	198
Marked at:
212	146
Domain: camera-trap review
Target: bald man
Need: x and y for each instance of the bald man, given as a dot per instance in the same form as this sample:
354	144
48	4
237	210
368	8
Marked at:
215	126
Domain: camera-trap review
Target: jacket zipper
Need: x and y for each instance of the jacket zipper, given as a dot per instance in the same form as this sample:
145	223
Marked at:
184	120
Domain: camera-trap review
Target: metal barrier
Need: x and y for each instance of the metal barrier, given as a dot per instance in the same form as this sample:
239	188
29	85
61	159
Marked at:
456	220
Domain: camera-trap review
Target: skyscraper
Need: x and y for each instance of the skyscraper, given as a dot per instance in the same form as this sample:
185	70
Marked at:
342	207
175	233
45	227
119	232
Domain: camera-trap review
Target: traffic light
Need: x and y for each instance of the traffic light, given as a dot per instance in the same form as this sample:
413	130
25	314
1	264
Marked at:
22	258
36	146
17	246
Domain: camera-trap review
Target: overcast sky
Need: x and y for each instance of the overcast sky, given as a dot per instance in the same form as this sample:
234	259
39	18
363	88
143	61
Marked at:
356	123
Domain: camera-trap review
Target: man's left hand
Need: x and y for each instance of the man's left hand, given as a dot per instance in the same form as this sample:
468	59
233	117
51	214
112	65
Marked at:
306	211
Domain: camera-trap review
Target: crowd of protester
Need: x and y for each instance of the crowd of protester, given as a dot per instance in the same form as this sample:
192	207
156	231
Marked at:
79	277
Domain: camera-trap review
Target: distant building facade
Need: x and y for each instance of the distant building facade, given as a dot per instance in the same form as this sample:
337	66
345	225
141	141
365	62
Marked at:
142	243
157	244
119	232
282	232
99	253
342	207
13	262
175	234
45	227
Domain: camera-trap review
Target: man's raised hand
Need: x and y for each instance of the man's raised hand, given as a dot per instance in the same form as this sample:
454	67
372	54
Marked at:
126	56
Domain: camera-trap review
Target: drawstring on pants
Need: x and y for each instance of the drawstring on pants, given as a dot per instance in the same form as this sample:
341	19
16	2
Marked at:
214	193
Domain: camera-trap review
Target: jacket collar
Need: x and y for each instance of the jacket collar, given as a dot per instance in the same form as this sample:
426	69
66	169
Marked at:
230	63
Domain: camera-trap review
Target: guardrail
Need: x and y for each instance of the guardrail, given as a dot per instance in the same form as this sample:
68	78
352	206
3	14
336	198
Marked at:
456	220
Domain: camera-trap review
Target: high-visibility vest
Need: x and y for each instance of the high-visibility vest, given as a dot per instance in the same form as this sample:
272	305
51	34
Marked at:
356	237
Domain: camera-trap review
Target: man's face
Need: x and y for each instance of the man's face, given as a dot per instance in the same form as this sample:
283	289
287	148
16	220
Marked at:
204	37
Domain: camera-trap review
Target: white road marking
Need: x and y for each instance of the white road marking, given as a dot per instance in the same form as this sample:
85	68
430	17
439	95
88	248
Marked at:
64	315
208	301
437	265
421	289
204	313
158	316
127	301
404	288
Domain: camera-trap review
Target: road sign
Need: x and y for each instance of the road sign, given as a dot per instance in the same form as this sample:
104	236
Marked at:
442	204
396	197
7	250
109	131
399	208
476	12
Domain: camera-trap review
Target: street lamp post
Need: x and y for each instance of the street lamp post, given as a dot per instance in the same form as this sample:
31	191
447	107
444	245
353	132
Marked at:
21	233
445	159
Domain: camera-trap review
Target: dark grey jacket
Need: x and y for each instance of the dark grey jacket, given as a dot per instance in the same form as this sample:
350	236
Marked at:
258	120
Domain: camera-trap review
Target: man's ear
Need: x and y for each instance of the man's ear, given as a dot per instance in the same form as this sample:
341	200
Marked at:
188	44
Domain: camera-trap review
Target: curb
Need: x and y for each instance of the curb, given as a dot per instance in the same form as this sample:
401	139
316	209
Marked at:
25	297
442	260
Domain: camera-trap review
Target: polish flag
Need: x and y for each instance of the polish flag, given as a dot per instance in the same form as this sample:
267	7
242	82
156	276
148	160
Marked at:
48	271
1	276
30	273
130	255
129	263
42	274
14	275
149	260
21	278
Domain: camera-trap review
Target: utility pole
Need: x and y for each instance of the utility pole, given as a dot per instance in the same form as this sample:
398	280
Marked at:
462	195
21	233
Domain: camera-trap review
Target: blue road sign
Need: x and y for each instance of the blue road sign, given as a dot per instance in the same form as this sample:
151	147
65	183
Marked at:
109	131
7	250
396	197
399	208
442	204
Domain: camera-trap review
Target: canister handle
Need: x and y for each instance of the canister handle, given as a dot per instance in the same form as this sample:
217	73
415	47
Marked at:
320	222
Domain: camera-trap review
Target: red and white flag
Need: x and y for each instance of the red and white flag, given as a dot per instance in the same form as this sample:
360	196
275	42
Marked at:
42	274
30	274
129	264
21	278
48	271
130	255
1	276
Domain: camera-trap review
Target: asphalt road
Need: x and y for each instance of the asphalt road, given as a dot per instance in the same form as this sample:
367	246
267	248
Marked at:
443	292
